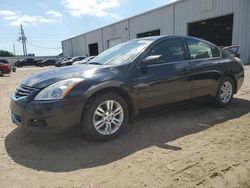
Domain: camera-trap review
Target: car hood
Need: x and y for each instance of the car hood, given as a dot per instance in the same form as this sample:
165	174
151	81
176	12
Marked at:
43	79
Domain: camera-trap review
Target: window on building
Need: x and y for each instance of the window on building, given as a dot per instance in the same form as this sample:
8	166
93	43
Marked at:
93	49
149	33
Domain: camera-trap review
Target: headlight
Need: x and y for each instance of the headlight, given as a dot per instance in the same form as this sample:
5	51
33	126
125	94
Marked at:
58	90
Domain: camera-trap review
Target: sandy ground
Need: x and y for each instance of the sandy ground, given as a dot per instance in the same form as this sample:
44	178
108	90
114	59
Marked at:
187	145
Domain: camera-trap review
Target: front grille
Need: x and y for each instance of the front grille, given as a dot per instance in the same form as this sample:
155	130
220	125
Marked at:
23	91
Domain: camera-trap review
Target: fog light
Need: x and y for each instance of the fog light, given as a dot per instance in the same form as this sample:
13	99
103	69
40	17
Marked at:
38	123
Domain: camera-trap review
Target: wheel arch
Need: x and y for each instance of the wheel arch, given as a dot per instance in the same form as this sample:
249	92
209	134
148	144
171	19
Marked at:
234	80
132	106
2	72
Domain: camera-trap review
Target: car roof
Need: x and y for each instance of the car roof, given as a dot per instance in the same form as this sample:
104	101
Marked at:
3	61
155	38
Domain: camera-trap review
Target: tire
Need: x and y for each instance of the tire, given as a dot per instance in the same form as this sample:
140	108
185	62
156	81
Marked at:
1	73
111	125
225	92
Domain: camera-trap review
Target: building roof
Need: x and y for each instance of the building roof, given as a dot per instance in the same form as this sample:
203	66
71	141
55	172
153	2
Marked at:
152	10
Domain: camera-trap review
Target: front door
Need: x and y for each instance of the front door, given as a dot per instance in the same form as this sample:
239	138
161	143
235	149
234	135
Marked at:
166	81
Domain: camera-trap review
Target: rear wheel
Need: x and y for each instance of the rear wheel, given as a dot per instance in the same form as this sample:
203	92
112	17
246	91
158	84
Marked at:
105	117
225	92
1	73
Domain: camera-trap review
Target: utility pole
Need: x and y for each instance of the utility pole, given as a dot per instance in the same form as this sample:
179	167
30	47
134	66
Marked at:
23	39
14	49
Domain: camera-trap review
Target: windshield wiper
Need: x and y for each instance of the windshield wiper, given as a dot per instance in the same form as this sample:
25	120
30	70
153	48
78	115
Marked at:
94	63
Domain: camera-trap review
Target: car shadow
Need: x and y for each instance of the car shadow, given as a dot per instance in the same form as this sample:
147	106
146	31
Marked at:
154	127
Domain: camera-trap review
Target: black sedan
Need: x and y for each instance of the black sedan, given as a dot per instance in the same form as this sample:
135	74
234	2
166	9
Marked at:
27	62
102	95
71	61
46	62
84	61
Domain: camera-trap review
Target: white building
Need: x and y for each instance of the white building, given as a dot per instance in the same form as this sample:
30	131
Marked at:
223	22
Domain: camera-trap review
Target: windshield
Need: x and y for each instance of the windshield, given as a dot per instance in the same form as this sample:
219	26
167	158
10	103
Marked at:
121	54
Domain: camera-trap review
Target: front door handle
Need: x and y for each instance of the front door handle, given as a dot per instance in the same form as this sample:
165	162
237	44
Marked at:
219	64
184	71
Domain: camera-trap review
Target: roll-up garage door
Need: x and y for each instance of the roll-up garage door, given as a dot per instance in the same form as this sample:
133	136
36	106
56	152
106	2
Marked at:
217	30
114	42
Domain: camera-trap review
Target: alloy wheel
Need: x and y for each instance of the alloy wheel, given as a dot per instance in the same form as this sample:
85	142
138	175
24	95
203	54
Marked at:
108	117
226	92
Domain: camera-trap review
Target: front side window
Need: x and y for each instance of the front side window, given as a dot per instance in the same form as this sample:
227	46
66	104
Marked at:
171	50
198	49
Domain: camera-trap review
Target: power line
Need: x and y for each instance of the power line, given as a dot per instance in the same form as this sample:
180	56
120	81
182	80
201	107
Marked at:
49	48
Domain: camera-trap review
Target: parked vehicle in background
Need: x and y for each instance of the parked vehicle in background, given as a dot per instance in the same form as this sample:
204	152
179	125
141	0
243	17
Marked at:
60	60
46	62
72	60
13	68
102	95
5	68
87	59
4	61
27	62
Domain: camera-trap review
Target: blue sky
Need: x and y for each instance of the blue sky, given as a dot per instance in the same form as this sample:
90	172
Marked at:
47	22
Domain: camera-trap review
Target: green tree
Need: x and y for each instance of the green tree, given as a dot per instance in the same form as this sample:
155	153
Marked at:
4	53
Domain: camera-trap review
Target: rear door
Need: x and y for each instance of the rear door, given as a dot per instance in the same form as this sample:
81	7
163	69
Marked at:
206	69
168	80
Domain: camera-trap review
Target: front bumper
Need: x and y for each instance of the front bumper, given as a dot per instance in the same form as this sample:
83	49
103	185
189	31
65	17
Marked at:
46	116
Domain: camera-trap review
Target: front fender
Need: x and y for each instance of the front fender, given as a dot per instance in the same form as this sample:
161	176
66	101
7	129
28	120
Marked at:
129	91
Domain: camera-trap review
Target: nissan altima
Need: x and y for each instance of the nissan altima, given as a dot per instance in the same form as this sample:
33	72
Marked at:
104	94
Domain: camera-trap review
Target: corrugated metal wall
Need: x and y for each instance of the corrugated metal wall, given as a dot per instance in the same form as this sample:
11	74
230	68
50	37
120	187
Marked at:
78	44
196	10
159	19
94	37
67	48
115	31
171	20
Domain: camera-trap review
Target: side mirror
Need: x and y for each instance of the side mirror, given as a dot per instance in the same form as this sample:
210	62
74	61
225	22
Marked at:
153	59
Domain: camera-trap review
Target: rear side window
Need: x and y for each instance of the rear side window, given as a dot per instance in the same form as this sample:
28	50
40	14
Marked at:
198	49
171	50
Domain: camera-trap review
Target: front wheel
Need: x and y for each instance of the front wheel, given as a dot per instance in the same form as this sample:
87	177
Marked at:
105	117
1	73
225	92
